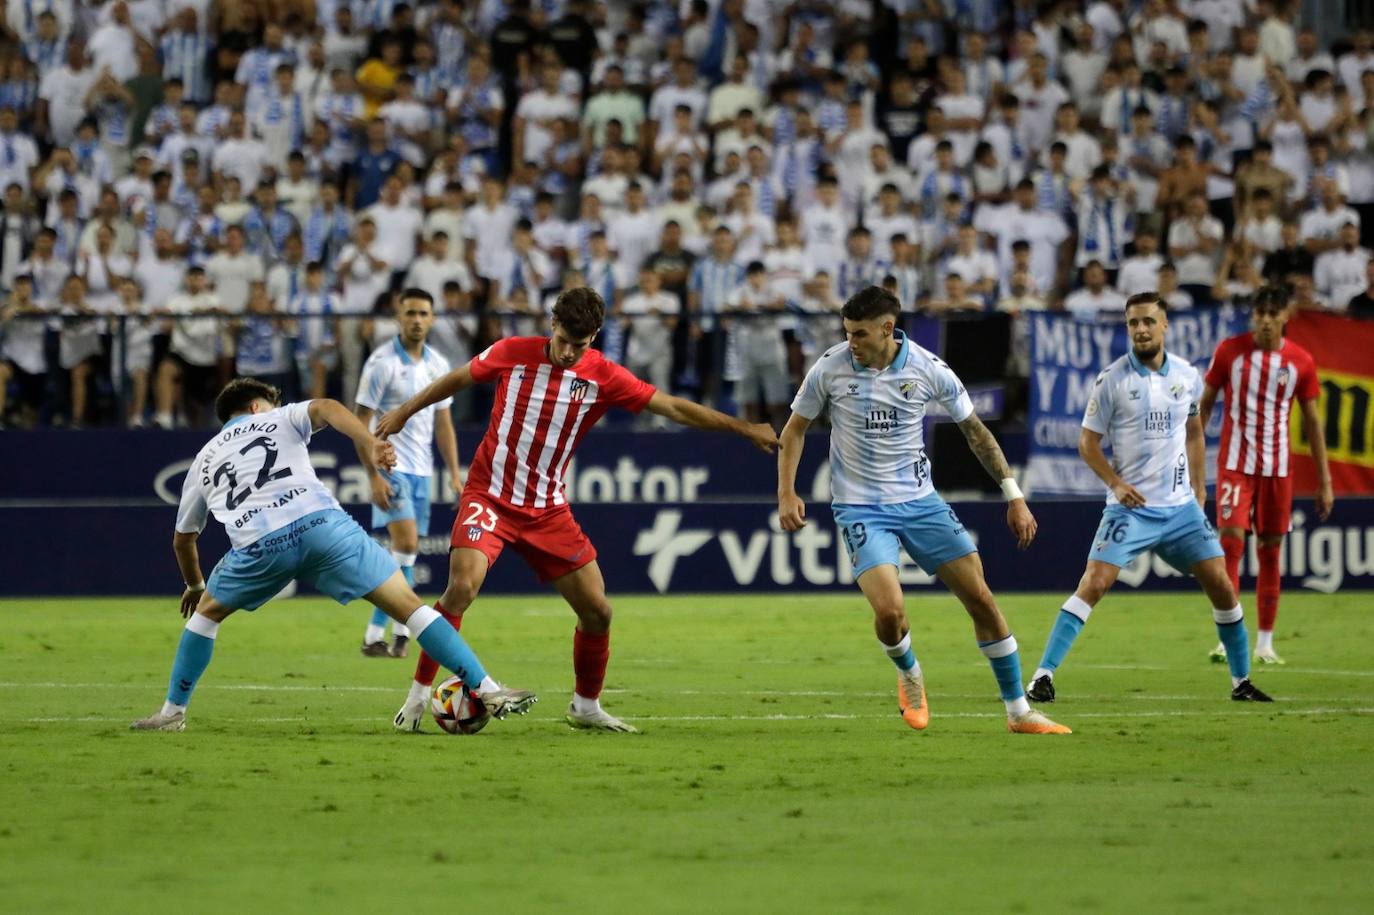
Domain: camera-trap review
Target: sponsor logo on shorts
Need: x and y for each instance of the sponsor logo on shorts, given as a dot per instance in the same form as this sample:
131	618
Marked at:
1101	545
1226	513
474	533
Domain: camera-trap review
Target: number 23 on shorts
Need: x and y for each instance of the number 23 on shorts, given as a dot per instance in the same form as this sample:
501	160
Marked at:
478	515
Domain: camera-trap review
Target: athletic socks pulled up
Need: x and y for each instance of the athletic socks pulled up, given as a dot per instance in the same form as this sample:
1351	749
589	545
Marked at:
591	654
1006	667
1267	588
901	654
426	668
1067	625
193	656
443	643
1231	631
376	629
1234	548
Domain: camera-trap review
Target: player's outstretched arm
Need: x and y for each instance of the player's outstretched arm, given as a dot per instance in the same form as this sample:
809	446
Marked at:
687	413
791	508
984	446
381	488
455	381
1316	435
447	441
1090	450
373	452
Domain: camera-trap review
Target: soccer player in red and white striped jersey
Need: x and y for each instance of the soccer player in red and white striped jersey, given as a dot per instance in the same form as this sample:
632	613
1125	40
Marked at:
550	392
1258	374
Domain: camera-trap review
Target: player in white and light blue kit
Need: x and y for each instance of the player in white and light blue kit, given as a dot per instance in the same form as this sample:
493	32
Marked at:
393	374
1146	403
255	477
876	388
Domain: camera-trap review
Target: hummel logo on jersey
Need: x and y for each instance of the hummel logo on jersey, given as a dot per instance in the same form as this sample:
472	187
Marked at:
853	387
578	389
1135	395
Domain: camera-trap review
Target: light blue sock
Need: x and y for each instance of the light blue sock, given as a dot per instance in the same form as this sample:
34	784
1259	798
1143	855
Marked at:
901	653
442	642
1067	625
1006	667
409	573
1231	630
379	617
193	656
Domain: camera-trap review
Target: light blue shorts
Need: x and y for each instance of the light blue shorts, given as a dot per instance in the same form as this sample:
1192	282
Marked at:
326	549
409	501
1179	534
926	528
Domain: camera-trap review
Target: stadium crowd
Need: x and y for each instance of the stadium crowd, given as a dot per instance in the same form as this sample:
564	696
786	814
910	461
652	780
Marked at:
247	186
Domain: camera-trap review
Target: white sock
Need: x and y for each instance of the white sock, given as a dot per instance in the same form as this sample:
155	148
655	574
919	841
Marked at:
1237	681
374	634
163	419
1264	641
419	692
488	686
1042	672
584	706
1017	706
171	708
399	630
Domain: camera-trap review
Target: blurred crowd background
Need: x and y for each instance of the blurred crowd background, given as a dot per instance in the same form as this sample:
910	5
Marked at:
195	189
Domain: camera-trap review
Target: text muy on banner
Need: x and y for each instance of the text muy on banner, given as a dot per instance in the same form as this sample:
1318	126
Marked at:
1066	357
1343	349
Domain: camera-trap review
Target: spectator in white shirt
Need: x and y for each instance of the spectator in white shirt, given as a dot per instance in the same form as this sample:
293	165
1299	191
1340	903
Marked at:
1096	299
434	270
1195	241
398	228
649	316
1140	271
191	358
1339	273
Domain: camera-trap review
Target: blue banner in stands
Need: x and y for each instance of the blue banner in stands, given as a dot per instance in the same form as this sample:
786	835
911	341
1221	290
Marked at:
669	548
1066	356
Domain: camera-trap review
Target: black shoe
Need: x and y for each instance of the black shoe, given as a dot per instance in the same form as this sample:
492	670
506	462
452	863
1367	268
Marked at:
1246	691
376	650
1041	690
401	647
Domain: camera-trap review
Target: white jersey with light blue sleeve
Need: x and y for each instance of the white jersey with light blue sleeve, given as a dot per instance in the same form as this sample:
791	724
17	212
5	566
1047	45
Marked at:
391	376
254	476
1144	415
877	439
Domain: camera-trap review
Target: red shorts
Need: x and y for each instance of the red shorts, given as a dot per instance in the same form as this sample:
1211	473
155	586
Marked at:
1268	499
549	538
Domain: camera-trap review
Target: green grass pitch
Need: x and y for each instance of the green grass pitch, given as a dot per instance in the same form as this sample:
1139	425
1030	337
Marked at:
773	774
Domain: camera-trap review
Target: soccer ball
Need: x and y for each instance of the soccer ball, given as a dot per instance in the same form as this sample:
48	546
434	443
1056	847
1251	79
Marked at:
456	710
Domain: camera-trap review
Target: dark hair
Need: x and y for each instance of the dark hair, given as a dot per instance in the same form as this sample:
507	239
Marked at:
1270	297
413	292
241	392
580	312
868	304
1146	298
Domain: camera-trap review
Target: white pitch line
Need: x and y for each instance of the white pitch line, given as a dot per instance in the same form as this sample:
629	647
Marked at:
758	718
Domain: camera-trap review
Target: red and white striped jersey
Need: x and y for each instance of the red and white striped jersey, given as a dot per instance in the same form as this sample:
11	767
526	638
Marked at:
540	415
1257	388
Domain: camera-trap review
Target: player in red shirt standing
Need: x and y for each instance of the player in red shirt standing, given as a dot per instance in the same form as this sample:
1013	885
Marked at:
550	391
1259	373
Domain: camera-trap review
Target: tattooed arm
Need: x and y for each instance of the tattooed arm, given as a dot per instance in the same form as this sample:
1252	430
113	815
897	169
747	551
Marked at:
984	447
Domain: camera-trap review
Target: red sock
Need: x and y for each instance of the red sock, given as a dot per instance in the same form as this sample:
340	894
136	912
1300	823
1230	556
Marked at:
1234	548
1267	588
427	668
591	653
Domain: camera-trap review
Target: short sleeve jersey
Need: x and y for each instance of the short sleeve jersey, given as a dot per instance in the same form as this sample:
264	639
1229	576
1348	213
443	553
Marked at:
1144	414
541	413
877	439
390	378
254	476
